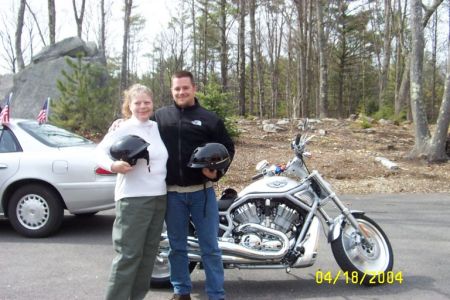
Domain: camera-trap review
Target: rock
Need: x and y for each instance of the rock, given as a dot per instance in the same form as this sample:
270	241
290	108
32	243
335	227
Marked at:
387	163
322	132
38	81
272	128
68	47
385	122
6	84
283	122
353	117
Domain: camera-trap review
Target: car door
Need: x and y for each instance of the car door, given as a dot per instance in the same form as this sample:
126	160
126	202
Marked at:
10	153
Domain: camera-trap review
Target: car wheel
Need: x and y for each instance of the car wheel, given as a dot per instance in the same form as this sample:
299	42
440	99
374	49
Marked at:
35	211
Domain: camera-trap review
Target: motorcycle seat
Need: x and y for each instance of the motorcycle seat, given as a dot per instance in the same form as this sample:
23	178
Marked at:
224	204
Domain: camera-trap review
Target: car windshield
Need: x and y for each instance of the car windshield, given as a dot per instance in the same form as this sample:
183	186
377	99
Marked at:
53	136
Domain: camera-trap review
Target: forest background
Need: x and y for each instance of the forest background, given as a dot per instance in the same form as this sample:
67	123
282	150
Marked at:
270	59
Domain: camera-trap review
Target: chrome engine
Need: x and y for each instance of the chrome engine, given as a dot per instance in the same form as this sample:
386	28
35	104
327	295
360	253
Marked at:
278	218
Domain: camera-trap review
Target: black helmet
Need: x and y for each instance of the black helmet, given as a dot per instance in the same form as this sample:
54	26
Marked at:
211	155
130	148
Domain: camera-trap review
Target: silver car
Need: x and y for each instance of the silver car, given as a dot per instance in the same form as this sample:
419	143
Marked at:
45	169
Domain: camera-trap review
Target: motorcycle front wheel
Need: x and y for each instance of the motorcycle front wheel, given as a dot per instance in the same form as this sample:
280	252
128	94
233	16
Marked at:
364	263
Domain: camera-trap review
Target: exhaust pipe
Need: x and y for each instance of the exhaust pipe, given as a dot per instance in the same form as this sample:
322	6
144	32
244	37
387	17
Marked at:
234	253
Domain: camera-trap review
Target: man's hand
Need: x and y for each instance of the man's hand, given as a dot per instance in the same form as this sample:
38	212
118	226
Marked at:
210	173
115	125
120	166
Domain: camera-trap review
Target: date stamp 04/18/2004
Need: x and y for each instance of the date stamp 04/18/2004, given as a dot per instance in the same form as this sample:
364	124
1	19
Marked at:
354	277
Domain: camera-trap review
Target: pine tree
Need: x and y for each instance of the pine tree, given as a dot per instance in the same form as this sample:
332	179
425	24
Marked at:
86	101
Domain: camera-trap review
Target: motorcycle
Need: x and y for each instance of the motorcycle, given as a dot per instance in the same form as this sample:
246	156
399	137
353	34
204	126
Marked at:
275	222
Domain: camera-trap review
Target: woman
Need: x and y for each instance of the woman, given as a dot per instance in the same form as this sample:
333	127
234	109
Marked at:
140	196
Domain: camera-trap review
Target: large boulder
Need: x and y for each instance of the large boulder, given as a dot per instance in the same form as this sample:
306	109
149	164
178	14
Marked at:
6	84
33	85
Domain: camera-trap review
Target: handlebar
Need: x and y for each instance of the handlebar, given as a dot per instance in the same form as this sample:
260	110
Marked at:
258	176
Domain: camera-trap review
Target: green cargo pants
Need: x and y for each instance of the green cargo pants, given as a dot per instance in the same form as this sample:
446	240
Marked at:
136	235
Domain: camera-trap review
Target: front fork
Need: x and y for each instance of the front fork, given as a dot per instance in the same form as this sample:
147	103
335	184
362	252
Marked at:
336	227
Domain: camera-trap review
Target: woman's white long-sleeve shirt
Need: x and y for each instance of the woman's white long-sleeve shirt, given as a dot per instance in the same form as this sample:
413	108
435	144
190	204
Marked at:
143	180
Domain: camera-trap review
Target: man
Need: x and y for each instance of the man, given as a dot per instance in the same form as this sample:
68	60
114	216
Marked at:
184	126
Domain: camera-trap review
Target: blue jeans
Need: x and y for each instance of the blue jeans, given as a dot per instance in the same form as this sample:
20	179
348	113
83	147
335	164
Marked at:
180	206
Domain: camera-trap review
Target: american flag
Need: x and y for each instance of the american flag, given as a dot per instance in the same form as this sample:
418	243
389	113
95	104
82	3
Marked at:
4	115
43	114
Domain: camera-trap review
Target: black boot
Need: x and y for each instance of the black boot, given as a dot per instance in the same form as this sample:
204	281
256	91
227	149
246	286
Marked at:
181	297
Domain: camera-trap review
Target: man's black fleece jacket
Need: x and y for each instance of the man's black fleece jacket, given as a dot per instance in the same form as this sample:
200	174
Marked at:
184	129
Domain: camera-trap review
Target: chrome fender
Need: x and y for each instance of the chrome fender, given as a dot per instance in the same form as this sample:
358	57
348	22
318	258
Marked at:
335	228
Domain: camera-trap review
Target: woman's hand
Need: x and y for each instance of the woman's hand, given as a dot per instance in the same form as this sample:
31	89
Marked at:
120	166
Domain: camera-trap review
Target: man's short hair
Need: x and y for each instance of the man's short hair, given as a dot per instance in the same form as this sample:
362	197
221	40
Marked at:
182	73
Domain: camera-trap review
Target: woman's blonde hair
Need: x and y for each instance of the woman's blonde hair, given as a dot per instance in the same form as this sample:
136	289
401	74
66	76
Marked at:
131	93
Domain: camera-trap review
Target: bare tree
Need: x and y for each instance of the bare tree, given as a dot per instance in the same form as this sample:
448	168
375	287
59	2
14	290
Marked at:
126	32
384	71
195	60
301	60
437	146
404	91
274	24
36	22
52	21
18	36
102	29
223	45
252	12
323	62
8	55
79	17
241	43
433	148
256	53
401	86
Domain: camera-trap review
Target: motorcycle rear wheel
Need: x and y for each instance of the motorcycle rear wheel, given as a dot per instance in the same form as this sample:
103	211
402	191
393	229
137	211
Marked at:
366	265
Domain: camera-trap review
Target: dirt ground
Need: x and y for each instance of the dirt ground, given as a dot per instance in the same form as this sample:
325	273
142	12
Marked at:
344	153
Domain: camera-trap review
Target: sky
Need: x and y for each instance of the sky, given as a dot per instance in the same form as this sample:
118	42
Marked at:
156	12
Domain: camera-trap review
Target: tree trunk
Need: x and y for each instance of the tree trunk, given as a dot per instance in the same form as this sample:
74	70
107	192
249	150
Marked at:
38	26
79	18
252	12
438	142
205	46
260	76
418	109
400	99
18	36
52	21
431	114
194	40
422	134
242	57
223	46
301	59
126	32
387	55
403	99
103	29
323	63
428	13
